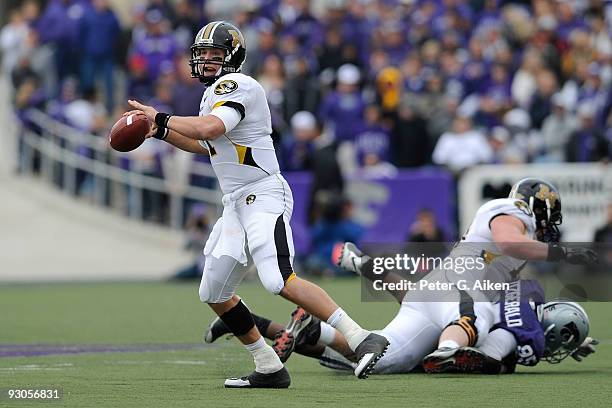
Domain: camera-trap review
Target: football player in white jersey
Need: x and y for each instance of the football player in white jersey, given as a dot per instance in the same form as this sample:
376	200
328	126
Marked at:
234	128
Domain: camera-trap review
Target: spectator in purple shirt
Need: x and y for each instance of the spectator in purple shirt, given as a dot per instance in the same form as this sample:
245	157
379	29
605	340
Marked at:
490	13
476	68
372	146
157	46
393	41
568	21
59	27
299	145
99	32
495	100
305	28
412	72
343	108
594	91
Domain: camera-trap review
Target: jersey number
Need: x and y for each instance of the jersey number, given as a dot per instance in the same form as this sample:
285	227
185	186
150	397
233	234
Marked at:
526	355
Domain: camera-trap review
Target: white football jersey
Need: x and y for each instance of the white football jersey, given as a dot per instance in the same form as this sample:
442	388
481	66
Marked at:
246	153
480	229
478	240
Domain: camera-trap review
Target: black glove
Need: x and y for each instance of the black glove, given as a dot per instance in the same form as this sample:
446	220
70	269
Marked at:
581	256
573	255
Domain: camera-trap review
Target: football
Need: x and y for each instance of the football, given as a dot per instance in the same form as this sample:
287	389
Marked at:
129	132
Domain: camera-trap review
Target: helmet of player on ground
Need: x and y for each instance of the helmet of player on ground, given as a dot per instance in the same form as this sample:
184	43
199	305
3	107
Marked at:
221	36
566	326
544	201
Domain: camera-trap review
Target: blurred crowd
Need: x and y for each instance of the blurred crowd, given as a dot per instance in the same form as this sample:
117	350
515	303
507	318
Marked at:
355	87
393	83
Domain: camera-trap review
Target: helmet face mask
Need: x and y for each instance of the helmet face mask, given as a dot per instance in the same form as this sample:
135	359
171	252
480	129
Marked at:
199	63
222	36
566	326
544	201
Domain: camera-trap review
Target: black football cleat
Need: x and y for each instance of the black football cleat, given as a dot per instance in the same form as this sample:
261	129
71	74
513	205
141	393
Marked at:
368	352
216	329
286	340
440	361
278	379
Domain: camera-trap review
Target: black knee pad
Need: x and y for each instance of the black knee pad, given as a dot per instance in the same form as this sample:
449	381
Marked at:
468	323
238	319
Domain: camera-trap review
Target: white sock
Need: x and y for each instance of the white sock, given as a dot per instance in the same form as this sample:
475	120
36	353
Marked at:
266	360
353	333
328	334
448	344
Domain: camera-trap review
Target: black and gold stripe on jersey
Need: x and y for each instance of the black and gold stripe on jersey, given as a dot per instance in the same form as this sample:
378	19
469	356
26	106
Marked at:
245	155
231	104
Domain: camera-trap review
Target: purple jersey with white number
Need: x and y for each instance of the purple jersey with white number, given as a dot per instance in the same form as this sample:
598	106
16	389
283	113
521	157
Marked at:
518	316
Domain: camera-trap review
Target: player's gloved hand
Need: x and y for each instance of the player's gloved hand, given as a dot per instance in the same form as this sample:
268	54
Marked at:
572	255
587	347
581	256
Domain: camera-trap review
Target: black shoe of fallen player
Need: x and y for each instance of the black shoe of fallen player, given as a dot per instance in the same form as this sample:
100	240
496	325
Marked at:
215	329
440	361
278	379
286	340
310	335
368	352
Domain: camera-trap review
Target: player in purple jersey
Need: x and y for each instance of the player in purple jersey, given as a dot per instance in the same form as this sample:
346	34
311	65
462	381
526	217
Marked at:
529	331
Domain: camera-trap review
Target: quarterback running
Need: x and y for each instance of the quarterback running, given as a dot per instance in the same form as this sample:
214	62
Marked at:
234	128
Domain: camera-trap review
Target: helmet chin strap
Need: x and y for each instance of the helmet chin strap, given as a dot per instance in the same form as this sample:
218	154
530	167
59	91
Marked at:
212	78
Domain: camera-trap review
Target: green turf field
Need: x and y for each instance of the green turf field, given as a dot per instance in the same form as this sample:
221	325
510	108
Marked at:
130	316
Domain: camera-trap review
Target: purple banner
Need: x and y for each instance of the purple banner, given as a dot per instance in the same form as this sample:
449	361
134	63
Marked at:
386	207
